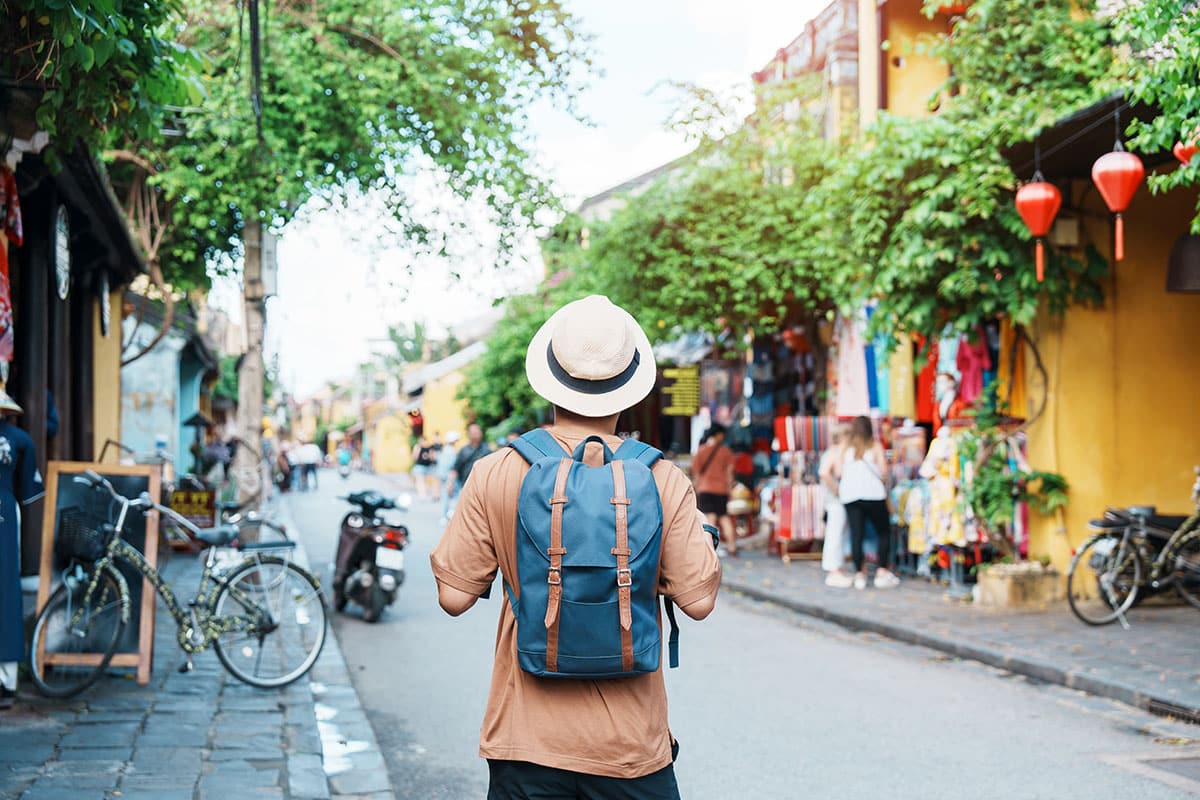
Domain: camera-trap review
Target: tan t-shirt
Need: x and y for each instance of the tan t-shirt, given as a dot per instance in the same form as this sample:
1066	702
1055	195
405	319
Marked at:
616	727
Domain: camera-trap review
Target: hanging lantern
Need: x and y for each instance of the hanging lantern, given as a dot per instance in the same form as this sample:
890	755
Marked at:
1038	203
953	8
1184	152
1117	175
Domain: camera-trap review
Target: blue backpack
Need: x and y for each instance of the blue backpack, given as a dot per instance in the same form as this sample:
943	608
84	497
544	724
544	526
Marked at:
588	541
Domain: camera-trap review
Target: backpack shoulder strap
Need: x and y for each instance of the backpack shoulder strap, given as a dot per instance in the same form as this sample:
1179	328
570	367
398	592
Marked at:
634	450
536	445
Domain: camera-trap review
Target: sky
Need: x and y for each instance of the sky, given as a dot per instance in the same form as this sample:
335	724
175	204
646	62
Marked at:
340	285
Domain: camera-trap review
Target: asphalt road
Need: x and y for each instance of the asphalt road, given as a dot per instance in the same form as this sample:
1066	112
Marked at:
766	704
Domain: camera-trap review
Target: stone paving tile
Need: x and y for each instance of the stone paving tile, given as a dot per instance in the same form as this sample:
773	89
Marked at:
121	754
197	735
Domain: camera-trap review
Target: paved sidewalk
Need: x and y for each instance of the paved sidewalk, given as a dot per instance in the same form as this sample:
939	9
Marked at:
193	736
1154	666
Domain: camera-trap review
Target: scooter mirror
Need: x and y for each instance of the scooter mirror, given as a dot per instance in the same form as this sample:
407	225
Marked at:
404	501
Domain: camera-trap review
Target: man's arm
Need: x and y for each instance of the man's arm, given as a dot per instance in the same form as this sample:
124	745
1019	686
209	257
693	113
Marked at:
456	601
697	609
464	561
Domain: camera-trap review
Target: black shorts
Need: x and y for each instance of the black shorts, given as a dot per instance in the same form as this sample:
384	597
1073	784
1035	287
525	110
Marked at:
710	503
520	780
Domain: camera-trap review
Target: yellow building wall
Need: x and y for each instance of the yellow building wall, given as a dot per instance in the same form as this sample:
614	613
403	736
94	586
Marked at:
442	409
390	448
1123	387
106	380
912	77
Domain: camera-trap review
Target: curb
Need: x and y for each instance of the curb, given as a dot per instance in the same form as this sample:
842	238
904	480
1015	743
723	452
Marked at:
1021	665
351	760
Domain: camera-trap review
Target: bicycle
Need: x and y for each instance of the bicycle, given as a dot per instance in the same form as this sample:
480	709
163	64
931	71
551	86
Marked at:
264	616
1134	550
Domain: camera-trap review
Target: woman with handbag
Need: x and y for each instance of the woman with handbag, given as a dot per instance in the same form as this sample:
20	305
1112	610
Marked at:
712	471
864	494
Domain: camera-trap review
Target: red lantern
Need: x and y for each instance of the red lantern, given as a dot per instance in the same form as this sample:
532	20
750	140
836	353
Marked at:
1117	175
1038	204
1184	152
953	8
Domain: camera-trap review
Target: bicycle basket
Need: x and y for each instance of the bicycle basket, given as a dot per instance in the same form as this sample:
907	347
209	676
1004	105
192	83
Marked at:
80	534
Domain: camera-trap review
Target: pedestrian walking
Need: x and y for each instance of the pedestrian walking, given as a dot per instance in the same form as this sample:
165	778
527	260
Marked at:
423	456
833	550
578	737
20	485
470	453
712	470
864	494
310	457
443	469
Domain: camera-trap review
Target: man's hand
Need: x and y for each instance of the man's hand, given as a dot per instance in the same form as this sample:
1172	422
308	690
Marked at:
456	601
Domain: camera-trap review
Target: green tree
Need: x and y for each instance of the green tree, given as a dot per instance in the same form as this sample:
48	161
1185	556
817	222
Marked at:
1164	72
97	67
354	95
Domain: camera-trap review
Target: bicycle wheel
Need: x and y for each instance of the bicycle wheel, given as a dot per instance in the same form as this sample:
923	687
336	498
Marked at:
1104	578
66	658
280	652
1187	569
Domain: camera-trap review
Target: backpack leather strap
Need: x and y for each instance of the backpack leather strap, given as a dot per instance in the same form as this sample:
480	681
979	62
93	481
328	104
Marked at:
624	575
556	552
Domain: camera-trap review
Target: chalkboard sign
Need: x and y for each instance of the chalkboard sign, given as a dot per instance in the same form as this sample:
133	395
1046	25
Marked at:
63	493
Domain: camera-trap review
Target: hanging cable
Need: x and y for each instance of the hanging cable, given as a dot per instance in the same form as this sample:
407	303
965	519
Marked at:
255	67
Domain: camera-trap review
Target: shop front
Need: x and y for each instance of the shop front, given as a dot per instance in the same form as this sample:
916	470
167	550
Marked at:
68	253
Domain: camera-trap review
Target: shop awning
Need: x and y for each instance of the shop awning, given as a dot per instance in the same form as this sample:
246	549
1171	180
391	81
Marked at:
1071	145
691	348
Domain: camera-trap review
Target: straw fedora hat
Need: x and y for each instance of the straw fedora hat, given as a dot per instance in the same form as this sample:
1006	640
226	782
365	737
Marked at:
8	405
591	358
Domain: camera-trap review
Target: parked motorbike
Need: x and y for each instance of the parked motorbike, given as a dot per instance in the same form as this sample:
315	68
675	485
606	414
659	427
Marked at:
370	554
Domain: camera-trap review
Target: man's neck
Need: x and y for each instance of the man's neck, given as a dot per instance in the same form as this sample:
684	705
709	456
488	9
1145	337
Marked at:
565	420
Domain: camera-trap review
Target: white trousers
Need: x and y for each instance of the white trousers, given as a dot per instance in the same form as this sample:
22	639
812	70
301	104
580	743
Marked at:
833	551
8	675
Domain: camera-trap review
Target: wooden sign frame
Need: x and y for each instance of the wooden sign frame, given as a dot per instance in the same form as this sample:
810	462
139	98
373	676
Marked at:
142	658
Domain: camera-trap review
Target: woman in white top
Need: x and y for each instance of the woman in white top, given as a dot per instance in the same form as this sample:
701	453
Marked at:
864	494
833	555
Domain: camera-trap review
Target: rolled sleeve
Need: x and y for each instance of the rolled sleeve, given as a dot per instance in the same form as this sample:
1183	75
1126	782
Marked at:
465	558
689	567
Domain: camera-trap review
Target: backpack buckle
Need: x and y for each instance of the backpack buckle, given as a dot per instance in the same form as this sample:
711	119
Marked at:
554	577
627	574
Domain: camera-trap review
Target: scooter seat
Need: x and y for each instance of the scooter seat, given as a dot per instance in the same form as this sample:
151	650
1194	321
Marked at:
219	536
1170	522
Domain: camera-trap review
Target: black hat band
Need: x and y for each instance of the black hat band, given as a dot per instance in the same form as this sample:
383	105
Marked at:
585	386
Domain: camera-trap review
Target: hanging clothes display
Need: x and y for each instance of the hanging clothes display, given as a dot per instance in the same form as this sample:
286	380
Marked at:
801	516
11	232
944	521
972	360
1010	378
901	398
803	434
853	398
925	379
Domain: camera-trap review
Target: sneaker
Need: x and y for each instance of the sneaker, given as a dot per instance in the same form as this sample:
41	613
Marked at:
860	581
838	579
885	579
7	697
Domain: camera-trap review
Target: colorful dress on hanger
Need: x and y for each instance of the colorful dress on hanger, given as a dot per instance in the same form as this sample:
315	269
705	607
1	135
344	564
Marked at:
944	524
973	360
853	395
1010	372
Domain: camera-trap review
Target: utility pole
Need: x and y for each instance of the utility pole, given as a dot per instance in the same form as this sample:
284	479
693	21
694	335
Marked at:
251	475
250	374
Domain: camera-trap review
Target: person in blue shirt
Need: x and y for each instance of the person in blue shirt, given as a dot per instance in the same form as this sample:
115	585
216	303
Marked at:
20	484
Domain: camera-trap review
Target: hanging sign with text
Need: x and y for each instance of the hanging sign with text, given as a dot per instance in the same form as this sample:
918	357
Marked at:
681	391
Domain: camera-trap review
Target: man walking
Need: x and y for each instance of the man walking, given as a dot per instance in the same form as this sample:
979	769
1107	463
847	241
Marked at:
568	737
464	462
